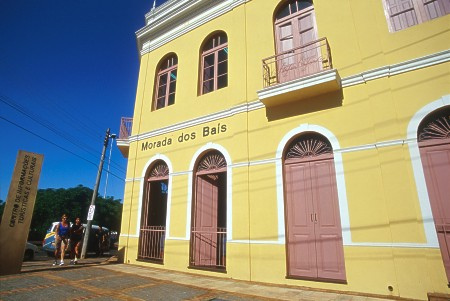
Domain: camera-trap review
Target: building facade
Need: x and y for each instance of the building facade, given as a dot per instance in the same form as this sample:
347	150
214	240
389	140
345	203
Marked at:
302	143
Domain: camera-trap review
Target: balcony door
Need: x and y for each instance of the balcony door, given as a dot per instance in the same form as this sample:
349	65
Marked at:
295	33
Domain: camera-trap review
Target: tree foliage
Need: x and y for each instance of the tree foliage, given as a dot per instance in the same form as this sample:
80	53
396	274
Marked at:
51	203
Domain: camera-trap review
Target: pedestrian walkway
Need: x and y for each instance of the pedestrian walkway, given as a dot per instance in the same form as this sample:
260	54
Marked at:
102	279
241	288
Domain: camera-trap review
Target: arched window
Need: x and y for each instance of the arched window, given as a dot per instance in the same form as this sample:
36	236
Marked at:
291	7
434	145
314	244
214	60
153	216
209	213
166	81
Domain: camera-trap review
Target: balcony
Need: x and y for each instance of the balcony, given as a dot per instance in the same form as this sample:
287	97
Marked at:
299	73
123	143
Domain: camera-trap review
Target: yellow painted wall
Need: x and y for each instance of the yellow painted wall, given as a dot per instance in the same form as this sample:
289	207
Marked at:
381	192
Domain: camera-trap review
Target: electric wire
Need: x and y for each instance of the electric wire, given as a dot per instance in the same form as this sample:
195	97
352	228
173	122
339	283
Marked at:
63	134
58	146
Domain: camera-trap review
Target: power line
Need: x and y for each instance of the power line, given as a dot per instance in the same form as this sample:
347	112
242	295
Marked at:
56	107
63	134
58	146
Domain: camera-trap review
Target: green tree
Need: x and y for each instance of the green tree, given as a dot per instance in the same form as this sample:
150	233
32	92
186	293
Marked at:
52	203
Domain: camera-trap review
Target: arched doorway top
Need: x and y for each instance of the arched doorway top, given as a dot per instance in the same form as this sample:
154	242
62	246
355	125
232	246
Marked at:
308	145
303	129
150	163
209	147
436	125
159	170
212	161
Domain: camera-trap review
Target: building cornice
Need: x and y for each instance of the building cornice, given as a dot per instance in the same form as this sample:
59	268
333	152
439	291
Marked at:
177	17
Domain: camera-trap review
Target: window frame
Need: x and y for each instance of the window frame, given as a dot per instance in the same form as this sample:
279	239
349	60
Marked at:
171	61
215	52
421	13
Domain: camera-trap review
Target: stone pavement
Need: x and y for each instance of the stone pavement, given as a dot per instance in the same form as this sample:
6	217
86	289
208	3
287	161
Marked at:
101	279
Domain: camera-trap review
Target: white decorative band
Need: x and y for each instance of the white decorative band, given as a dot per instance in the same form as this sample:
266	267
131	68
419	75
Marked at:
157	20
134	179
390	70
261	162
177	238
372	146
243	108
129	235
274	160
256	242
392	245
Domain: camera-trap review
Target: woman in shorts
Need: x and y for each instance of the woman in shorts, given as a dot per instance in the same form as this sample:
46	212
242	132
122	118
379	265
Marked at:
61	238
76	235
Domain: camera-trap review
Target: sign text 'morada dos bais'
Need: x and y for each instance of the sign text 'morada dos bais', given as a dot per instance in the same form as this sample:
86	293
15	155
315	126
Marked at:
183	137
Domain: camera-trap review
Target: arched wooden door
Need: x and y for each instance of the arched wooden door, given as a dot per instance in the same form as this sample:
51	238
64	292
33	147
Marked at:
208	232
153	215
313	227
295	31
434	145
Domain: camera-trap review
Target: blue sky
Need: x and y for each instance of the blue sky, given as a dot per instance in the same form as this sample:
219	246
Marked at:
68	71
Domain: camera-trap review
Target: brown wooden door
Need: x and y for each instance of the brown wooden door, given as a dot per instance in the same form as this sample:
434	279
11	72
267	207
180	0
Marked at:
297	31
327	222
314	234
205	244
301	249
435	157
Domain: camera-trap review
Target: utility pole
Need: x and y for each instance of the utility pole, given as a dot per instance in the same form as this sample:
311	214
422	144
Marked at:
112	136
94	194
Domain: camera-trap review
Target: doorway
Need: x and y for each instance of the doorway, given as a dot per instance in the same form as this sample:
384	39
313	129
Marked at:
314	235
434	145
208	230
153	217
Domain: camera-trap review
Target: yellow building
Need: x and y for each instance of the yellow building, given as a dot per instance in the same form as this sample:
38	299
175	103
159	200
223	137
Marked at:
302	143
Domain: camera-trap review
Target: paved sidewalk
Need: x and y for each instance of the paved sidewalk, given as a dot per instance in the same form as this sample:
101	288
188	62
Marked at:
102	279
258	291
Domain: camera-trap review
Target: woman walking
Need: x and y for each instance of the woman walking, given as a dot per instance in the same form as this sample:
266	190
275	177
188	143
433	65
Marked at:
76	235
61	238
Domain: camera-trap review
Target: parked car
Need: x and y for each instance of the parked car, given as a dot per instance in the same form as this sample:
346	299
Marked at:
48	244
30	250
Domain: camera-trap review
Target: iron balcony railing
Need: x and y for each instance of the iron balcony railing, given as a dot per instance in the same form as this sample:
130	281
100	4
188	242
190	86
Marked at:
151	243
208	248
126	125
296	63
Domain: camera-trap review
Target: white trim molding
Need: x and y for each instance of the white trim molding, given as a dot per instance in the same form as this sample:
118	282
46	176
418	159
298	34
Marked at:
395	69
177	17
416	161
